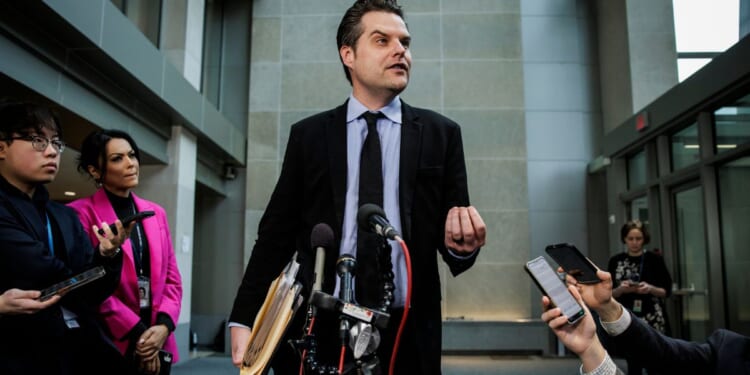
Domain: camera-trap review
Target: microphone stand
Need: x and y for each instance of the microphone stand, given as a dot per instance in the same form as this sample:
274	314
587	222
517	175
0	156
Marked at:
368	364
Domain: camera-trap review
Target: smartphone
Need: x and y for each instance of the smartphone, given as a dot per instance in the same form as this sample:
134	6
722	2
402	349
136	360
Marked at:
573	262
554	288
74	282
127	220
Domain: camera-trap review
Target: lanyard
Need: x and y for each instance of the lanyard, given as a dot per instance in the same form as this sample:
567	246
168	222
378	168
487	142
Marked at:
139	248
50	242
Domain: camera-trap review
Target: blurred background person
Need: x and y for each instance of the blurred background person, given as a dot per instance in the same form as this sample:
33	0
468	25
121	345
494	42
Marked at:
140	324
43	243
641	281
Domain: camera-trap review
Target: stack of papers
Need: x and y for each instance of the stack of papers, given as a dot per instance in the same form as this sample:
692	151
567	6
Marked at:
282	300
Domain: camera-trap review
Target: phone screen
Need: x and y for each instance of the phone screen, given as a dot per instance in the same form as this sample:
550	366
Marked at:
551	285
573	262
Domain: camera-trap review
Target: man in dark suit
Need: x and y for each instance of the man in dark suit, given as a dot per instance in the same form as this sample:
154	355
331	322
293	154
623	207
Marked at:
43	243
724	352
424	194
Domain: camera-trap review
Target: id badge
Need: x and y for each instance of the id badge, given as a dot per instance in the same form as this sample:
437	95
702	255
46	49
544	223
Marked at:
70	318
144	292
637	306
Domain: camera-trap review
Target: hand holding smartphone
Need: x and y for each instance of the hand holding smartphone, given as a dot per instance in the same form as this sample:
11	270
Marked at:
551	285
573	262
127	220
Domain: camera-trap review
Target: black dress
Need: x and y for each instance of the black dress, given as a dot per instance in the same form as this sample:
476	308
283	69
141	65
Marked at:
648	267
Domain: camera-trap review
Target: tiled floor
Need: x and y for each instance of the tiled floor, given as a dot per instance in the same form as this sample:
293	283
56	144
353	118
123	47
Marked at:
452	365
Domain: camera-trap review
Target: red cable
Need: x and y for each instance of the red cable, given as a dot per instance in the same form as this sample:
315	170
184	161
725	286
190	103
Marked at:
304	352
407	304
341	359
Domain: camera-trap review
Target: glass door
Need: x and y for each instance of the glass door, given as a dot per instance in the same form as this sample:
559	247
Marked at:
691	289
735	237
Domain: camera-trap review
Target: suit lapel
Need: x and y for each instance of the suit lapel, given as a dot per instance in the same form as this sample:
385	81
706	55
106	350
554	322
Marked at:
411	147
337	158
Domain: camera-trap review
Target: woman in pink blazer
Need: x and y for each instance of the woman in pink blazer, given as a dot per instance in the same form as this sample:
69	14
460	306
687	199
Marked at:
142	313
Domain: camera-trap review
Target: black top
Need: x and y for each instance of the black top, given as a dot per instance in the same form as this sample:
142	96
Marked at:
648	267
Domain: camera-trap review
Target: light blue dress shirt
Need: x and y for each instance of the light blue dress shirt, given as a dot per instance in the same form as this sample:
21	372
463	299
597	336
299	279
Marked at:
389	130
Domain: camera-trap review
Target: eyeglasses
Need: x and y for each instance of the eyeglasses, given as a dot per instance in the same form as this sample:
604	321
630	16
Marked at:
40	143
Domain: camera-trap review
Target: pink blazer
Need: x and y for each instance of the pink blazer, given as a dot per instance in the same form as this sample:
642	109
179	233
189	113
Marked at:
120	311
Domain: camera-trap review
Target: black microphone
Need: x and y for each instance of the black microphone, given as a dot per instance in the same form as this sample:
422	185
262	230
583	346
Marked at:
321	239
345	267
371	217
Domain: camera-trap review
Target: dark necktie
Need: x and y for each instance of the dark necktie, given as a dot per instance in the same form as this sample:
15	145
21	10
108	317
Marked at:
370	191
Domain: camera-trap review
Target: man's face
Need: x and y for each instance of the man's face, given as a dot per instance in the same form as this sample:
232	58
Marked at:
381	62
25	167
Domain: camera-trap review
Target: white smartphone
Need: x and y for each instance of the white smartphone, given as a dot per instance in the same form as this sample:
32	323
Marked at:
551	285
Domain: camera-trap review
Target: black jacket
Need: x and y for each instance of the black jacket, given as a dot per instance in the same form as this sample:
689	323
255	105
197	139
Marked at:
26	263
312	189
724	352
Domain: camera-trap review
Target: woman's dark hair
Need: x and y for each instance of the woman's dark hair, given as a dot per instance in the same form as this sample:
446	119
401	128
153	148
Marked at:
94	150
25	118
634	224
350	28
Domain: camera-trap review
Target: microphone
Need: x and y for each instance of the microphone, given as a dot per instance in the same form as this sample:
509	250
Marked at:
363	339
371	217
321	239
345	266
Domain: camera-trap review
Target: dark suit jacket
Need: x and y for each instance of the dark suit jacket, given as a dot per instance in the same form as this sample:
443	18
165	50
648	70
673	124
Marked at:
25	263
724	352
311	189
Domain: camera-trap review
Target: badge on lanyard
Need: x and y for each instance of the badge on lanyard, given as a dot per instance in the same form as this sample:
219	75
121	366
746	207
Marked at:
144	291
70	318
637	306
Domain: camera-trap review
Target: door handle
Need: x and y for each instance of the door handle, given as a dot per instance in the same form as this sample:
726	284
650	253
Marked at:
691	291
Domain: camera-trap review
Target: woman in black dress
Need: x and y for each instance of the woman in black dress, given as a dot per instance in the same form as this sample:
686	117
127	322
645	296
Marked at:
640	280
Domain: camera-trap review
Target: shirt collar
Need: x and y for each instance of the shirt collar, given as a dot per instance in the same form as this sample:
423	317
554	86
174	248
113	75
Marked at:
40	196
355	109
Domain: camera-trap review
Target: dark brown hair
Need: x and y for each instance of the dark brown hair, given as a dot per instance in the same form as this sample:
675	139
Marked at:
350	27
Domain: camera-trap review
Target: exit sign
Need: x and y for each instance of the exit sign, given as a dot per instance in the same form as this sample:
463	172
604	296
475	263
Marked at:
641	121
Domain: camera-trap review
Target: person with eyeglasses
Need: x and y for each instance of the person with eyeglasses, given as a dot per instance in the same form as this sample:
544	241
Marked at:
43	243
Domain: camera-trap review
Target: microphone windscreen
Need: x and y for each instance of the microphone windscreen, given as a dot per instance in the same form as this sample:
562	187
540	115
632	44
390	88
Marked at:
364	213
321	236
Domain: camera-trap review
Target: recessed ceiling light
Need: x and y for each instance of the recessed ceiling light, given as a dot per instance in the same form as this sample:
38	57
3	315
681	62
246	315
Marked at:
70	193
